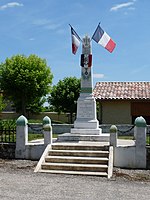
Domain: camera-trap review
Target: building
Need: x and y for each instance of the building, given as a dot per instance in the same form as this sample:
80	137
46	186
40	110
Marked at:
122	102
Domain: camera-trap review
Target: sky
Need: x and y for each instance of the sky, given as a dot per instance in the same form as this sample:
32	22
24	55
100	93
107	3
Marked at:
41	27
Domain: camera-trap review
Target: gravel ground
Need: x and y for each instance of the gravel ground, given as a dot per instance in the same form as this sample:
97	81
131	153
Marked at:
19	182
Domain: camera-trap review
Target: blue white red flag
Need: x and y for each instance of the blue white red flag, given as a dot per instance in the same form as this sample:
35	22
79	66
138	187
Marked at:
75	41
102	38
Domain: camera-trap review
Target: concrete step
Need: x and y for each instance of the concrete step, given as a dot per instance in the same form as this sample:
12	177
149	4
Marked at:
83	173
81	160
79	147
70	137
89	158
75	167
79	153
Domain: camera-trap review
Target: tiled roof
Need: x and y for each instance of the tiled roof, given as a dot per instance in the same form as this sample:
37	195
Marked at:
122	90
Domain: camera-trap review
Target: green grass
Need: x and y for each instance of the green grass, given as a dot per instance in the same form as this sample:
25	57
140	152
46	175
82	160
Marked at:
125	137
34	136
55	135
132	138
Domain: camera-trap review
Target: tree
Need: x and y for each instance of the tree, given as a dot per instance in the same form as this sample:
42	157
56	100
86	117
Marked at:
64	96
2	103
25	80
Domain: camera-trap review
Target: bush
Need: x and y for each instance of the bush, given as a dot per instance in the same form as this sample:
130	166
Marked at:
7	124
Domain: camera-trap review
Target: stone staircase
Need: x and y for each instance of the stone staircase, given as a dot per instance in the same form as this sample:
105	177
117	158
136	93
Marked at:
75	158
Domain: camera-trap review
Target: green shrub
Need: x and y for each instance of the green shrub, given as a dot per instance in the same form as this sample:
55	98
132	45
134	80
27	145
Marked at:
7	124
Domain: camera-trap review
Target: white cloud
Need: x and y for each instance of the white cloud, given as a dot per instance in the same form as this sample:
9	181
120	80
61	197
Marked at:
98	75
31	39
10	5
123	5
41	22
48	24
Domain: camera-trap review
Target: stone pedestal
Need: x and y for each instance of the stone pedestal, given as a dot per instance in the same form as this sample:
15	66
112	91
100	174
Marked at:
86	122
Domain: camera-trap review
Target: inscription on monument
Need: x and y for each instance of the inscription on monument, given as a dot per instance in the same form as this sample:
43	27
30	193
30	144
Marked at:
85	110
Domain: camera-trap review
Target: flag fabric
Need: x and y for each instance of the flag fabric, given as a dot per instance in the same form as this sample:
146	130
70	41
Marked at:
86	60
102	38
75	41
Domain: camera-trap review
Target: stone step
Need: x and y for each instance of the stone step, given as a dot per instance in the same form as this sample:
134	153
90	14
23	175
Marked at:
74	167
79	153
69	137
79	147
83	173
85	158
81	160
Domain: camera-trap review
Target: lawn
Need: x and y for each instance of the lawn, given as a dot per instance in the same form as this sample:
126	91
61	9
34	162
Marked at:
132	138
34	136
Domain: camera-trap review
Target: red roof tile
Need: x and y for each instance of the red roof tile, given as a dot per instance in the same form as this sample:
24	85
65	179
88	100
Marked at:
122	90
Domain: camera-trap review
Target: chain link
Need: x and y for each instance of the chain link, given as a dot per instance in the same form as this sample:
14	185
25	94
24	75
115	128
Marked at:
39	130
126	130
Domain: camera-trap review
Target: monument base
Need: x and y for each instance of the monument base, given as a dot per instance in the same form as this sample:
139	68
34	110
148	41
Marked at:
86	123
70	137
85	131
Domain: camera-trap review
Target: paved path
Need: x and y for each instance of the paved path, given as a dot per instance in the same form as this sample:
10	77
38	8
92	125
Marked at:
120	142
21	183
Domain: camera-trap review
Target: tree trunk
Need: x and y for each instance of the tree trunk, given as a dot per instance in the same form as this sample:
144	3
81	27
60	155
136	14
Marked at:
23	106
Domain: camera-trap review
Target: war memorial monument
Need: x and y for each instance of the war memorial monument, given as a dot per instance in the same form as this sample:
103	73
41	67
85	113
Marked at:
86	122
86	125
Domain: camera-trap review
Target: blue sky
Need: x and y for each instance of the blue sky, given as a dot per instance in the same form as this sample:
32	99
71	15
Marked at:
41	27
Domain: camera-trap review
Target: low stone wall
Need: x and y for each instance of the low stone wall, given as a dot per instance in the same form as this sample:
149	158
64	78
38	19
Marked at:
131	155
7	150
66	128
123	129
61	128
57	128
63	117
31	150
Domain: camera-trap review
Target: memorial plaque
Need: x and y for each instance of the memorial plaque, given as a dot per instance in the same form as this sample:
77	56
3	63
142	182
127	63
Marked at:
85	110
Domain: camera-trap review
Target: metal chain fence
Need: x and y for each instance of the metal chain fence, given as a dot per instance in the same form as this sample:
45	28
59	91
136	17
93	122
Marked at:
37	130
126	131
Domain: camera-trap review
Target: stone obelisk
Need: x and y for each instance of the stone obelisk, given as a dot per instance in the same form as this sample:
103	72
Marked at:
86	122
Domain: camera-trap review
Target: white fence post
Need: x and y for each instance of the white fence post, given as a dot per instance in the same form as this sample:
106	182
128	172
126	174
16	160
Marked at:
47	130
140	137
21	137
113	136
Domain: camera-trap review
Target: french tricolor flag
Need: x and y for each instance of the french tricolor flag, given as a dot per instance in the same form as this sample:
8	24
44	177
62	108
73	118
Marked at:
102	38
75	41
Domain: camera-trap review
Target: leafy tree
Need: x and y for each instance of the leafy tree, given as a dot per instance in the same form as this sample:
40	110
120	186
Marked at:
64	96
2	103
24	81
